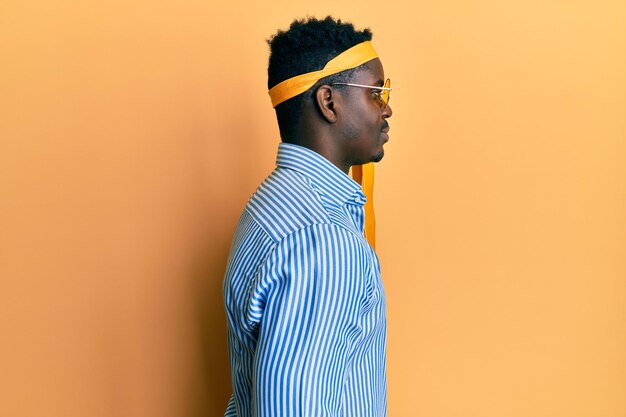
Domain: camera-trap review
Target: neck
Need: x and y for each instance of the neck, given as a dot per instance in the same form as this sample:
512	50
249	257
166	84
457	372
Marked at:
320	140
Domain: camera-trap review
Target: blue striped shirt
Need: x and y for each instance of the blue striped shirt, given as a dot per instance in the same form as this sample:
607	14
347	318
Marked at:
304	298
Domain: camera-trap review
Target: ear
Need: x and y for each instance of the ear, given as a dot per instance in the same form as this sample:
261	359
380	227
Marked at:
326	102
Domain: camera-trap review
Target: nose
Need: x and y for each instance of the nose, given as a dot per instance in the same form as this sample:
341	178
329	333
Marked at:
387	112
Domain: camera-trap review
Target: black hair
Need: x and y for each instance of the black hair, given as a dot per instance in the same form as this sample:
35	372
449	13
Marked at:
307	46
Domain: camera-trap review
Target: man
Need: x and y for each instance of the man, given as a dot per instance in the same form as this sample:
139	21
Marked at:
303	293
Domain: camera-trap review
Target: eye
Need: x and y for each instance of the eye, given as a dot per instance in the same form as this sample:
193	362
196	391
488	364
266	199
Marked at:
377	95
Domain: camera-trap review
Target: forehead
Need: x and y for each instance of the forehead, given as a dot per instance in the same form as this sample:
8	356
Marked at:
371	74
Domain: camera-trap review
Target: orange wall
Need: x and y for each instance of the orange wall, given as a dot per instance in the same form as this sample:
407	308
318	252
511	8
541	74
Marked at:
131	136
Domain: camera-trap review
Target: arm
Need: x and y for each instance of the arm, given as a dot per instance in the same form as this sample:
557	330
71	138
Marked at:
308	300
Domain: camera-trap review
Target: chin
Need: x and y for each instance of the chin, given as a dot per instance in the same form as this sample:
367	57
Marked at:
378	157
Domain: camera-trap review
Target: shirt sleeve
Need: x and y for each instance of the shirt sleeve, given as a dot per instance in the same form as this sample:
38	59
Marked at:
307	301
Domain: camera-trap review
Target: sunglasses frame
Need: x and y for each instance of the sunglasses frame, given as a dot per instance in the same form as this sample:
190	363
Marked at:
383	94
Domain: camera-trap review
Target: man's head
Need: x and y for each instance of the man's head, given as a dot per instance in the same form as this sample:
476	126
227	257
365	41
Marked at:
343	122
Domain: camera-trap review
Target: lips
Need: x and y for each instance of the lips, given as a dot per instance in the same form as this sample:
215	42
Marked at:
385	132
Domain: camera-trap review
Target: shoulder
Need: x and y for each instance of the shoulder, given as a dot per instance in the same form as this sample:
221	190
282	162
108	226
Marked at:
285	203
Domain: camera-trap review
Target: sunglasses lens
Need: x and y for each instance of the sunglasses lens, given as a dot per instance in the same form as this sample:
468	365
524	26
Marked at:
385	93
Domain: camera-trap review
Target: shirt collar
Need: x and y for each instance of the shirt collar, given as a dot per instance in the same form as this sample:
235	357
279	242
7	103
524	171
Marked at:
324	176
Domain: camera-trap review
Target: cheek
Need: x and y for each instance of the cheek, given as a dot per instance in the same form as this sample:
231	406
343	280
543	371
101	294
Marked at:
373	125
365	122
352	129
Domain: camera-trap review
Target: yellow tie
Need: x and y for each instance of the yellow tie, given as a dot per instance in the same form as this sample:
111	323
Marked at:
364	175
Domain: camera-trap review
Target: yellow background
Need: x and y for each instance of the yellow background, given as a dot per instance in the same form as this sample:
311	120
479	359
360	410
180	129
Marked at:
132	134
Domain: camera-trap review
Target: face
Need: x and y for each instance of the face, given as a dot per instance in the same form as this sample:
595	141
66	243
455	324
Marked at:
363	122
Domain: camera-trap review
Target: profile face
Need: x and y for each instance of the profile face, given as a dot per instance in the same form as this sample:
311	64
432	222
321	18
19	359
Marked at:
363	121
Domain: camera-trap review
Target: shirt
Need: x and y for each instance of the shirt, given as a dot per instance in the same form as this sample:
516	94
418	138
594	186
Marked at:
304	298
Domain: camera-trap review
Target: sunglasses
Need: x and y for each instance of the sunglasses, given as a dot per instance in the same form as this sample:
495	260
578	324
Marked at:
381	93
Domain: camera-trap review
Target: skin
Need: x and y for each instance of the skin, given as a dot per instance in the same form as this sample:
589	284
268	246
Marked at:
346	124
